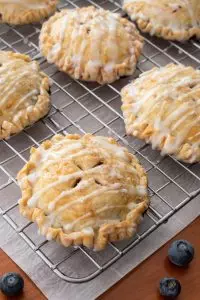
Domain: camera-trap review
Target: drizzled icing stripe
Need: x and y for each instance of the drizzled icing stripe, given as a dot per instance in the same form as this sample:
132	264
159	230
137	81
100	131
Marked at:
115	188
15	74
191	11
160	15
24	98
9	91
95	223
69	157
168	84
138	190
49	157
66	200
45	155
83	184
159	90
99	23
32	202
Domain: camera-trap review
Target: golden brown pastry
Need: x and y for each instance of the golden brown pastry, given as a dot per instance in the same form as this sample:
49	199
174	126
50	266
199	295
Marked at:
163	108
24	97
169	19
18	12
91	44
85	190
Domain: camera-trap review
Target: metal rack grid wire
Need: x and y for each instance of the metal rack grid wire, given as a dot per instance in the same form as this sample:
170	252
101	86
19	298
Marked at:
79	107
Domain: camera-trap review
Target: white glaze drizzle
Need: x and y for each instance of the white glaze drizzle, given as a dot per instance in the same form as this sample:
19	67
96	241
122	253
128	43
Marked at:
32	202
92	221
52	215
167	86
119	151
14	72
188	5
162	16
25	97
99	24
58	46
113	187
69	157
69	226
47	157
11	87
64	150
83	184
97	221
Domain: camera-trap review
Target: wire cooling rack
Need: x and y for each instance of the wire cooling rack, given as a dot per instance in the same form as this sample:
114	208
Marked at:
79	107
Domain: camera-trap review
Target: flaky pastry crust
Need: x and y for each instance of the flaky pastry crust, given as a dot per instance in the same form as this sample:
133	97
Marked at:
25	11
91	44
24	97
83	190
170	19
163	108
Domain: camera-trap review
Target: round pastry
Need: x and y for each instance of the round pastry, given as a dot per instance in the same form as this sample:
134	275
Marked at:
83	190
18	12
169	19
163	108
91	44
24	97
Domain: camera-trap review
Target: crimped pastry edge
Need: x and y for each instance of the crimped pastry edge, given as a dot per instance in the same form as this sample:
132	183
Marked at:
29	16
108	232
26	117
184	153
124	69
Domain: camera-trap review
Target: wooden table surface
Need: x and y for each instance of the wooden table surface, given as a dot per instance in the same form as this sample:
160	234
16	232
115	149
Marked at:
141	283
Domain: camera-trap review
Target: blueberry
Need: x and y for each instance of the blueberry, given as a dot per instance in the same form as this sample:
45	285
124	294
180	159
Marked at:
11	284
170	287
181	253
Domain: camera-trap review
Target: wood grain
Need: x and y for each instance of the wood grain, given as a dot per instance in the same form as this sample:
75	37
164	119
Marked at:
31	292
141	283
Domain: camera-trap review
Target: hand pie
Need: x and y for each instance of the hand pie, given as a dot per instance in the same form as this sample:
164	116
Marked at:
83	190
91	44
163	108
169	19
18	12
24	97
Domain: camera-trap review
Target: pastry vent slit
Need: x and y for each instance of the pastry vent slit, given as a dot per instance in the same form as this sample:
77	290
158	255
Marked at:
192	85
98	164
76	182
98	182
79	167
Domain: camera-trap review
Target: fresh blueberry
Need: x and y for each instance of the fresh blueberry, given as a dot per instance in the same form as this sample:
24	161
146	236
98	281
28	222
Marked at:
11	284
181	253
170	287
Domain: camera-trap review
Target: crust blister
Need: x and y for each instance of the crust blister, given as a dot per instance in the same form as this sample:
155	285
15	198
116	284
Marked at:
94	237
